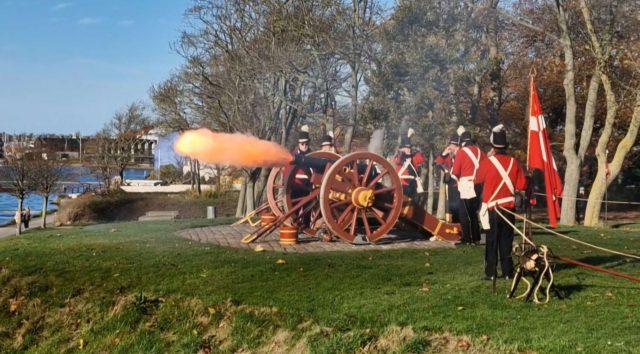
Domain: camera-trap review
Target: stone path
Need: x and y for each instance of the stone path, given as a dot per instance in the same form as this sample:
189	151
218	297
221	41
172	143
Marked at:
34	223
230	236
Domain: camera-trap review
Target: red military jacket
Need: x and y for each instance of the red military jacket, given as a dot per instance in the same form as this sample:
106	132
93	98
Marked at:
463	166
409	173
489	175
447	160
303	174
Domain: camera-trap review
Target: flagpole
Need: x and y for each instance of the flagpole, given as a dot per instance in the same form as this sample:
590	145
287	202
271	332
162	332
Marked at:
532	74
528	211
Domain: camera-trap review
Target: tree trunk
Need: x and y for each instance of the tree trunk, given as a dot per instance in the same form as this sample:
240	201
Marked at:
250	196
430	190
242	197
442	200
262	183
494	101
355	69
19	221
422	198
192	173
601	183
475	98
351	125
198	184
572	173
44	210
453	102
589	114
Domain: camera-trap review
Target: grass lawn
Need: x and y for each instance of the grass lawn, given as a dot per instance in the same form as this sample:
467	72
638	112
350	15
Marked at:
137	288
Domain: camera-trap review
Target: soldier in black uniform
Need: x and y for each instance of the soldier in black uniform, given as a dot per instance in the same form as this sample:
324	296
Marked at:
445	162
302	184
581	206
327	142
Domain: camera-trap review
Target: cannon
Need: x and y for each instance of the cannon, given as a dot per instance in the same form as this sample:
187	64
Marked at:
357	197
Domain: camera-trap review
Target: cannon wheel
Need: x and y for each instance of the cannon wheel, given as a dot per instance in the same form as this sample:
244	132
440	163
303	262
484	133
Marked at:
275	191
314	208
279	200
381	193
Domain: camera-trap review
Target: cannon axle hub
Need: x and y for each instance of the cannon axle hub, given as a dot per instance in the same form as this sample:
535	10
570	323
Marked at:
362	197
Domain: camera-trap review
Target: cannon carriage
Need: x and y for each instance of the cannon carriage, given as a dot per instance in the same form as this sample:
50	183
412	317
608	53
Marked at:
357	197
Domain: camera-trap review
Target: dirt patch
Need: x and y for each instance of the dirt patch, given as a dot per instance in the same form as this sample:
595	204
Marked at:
130	206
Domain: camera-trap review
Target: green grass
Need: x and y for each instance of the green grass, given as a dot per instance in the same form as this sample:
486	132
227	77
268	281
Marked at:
137	288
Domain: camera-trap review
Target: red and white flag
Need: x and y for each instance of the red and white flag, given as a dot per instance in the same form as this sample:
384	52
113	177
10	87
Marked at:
540	156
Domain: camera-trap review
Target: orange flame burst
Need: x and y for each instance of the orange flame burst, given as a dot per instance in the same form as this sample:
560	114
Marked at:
231	149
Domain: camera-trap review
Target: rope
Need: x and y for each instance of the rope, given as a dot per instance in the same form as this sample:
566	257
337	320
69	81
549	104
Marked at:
563	236
603	201
544	250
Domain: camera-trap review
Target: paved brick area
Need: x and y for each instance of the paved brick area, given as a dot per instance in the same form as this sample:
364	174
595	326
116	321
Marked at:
230	236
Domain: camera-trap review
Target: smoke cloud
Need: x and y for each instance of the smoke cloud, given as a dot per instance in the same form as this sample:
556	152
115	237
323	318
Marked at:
231	149
375	144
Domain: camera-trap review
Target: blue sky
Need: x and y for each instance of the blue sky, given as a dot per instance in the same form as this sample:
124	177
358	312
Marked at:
69	65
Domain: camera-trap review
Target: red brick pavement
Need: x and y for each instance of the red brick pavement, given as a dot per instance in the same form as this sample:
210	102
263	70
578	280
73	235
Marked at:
230	236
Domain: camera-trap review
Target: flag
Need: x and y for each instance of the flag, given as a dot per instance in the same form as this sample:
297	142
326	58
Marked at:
540	156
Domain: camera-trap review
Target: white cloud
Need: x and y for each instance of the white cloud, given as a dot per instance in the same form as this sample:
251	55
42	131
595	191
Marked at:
125	23
61	6
89	21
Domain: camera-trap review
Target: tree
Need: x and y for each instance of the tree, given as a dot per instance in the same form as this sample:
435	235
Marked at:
604	43
124	130
173	105
44	176
14	175
99	157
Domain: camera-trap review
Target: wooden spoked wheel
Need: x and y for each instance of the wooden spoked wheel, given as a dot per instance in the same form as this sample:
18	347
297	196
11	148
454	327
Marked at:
350	196
295	192
276	191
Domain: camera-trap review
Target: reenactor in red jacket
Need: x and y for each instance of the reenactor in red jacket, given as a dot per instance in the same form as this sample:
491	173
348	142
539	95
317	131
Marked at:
465	167
501	175
445	162
408	164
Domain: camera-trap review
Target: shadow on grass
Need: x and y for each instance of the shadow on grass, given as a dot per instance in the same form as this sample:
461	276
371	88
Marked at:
612	261
617	226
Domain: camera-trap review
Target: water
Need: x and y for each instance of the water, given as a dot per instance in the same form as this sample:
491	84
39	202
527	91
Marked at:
34	202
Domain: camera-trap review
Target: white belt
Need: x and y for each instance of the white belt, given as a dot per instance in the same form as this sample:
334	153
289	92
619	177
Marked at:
407	177
302	176
500	202
484	211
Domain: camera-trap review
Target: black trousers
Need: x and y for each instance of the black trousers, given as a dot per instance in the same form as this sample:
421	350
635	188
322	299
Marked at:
468	212
500	233
300	193
454	200
410	190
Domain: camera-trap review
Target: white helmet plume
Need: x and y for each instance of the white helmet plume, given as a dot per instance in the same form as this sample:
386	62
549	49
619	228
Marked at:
460	130
410	132
305	128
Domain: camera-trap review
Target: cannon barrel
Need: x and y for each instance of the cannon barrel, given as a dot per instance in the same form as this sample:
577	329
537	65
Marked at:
319	164
316	163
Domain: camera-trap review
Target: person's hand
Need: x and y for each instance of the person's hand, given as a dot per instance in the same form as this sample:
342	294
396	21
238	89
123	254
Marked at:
491	152
447	151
